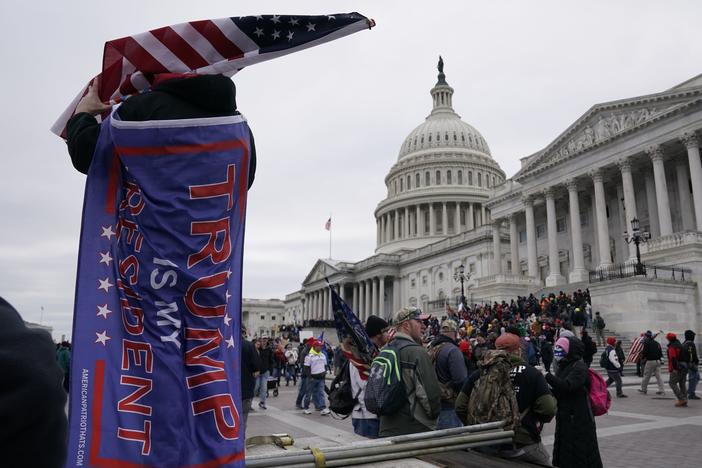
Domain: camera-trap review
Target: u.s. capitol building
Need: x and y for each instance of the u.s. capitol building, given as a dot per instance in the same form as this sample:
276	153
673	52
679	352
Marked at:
558	223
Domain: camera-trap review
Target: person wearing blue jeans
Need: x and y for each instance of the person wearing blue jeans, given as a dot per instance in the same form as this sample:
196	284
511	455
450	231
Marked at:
315	368
266	355
262	388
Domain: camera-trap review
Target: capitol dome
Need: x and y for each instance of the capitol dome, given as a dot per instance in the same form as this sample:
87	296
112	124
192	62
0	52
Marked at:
443	176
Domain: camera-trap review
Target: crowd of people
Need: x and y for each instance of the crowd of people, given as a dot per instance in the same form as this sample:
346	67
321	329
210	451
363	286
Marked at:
545	343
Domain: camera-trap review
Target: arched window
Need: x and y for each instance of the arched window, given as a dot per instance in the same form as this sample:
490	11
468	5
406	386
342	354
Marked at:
446	136
429	138
438	177
470	177
448	177
455	138
460	177
427	182
417	180
463	138
480	179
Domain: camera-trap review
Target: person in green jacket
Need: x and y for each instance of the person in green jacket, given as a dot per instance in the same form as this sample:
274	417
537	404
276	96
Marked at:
419	414
63	357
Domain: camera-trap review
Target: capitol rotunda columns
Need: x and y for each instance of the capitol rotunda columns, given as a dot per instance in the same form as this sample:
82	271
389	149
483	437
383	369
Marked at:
692	144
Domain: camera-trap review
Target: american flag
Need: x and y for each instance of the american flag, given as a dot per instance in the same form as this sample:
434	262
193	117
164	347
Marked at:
327	225
636	350
131	64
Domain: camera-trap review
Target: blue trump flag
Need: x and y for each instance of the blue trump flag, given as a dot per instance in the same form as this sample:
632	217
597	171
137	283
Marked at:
155	372
354	341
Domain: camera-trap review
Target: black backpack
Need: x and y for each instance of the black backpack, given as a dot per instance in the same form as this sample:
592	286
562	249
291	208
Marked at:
385	390
340	393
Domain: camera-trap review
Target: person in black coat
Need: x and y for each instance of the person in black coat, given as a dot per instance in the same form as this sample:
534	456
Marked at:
575	443
200	96
547	353
590	348
250	367
32	399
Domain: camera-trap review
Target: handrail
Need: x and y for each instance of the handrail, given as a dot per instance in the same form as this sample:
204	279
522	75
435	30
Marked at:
629	270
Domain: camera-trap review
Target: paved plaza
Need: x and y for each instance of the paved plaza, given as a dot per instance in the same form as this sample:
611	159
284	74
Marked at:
640	431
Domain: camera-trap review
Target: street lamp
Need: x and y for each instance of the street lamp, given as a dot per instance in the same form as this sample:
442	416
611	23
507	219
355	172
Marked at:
637	237
461	275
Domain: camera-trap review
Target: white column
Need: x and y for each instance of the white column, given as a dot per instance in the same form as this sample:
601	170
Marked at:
419	223
369	299
470	219
664	219
531	237
355	299
554	265
629	201
432	221
684	196
692	144
381	296
483	218
361	300
325	303
601	215
444	219
496	254
341	292
396	297
514	243
374	301
457	218
377	231
407	224
578	272
382	230
305	306
652	205
396	224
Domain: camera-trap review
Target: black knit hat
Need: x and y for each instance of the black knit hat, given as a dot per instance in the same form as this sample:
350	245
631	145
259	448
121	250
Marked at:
375	325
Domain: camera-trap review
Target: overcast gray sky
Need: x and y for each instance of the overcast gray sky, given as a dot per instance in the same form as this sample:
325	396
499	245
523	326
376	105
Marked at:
328	121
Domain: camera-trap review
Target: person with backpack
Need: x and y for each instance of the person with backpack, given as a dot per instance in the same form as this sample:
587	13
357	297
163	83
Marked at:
693	363
609	360
651	354
535	405
599	325
678	361
419	402
365	423
451	371
575	441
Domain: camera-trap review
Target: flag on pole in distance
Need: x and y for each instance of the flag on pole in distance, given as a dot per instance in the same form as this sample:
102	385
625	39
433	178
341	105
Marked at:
133	64
327	225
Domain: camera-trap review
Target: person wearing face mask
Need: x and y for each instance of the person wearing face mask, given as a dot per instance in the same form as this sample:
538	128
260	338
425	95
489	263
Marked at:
575	442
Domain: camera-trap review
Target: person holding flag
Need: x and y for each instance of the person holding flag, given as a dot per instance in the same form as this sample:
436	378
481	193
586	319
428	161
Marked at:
158	295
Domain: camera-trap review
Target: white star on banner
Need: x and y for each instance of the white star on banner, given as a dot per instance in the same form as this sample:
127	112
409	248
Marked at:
107	232
258	32
230	342
331	17
276	34
290	35
103	310
227	295
105	258
227	319
276	18
310	27
258	17
105	284
229	273
102	337
294	21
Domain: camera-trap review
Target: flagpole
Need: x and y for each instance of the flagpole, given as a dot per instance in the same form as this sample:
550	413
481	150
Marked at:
330	230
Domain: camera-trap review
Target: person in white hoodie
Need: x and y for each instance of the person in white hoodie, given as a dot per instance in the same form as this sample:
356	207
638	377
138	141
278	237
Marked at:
365	423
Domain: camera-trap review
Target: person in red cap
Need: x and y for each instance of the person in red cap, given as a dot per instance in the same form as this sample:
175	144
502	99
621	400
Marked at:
677	369
315	368
613	366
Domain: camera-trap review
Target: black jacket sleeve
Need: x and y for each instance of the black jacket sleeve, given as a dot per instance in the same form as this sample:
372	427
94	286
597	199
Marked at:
82	136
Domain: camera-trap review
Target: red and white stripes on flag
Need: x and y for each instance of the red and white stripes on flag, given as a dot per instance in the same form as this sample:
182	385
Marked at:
132	64
327	225
636	350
